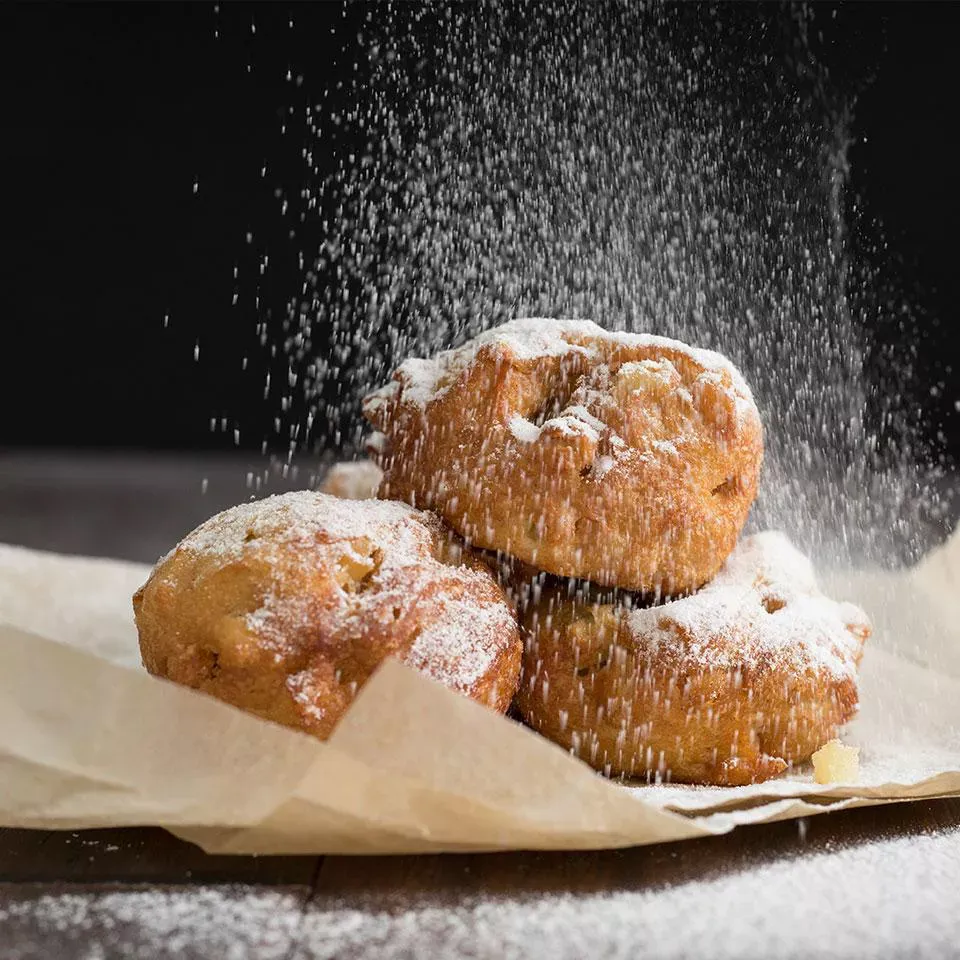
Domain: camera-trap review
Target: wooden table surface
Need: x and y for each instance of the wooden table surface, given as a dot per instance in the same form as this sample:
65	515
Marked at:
878	882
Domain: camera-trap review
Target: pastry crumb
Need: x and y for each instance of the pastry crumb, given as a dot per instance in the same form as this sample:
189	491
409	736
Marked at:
835	762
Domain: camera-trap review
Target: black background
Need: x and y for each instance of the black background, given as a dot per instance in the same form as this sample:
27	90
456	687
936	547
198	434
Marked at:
111	114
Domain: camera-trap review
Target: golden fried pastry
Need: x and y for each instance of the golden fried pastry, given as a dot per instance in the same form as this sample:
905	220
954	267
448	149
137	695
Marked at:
626	459
353	480
285	606
727	686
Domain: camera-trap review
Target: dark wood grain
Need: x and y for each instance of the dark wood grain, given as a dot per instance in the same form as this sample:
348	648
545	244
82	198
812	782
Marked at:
135	856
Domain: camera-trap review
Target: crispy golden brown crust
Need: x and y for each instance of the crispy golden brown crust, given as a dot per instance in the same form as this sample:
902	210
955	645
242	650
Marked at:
728	690
285	607
628	461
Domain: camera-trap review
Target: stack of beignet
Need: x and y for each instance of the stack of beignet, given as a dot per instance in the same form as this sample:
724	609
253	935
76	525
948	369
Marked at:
604	479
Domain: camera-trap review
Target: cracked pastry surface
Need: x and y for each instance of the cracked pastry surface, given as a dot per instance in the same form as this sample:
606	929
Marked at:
626	459
285	606
727	686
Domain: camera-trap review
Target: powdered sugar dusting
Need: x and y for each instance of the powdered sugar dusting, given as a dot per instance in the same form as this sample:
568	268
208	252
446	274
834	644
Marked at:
572	424
224	921
581	413
732	910
461	649
268	620
300	516
602	466
762	610
523	429
422	381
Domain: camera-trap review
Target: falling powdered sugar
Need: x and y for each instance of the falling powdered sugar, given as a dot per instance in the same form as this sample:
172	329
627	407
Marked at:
679	169
421	381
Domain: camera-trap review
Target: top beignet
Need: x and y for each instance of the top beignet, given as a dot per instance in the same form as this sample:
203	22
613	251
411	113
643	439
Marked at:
284	607
625	459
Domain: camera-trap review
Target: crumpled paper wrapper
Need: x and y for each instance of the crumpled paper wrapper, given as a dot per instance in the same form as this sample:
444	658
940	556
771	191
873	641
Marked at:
89	739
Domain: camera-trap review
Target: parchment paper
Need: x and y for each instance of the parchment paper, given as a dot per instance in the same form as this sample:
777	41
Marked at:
88	739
